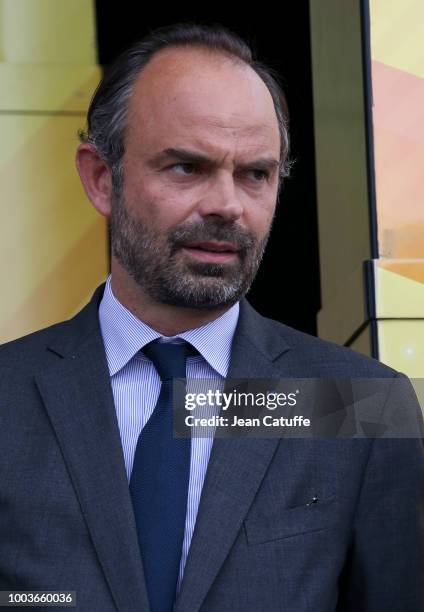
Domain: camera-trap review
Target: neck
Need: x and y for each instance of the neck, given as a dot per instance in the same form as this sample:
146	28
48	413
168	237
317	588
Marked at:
166	319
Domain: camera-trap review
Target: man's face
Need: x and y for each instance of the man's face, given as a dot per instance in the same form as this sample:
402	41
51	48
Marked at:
201	168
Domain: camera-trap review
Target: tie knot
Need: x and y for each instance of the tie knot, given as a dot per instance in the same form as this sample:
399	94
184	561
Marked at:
169	359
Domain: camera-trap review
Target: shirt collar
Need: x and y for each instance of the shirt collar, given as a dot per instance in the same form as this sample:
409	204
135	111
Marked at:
124	334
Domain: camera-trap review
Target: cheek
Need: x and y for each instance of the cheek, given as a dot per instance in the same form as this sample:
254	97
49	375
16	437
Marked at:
260	217
166	208
153	201
171	204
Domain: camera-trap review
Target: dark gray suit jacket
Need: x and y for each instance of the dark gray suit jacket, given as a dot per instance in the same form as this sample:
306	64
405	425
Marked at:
66	520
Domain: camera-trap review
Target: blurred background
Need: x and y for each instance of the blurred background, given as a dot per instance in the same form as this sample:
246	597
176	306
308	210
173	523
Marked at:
346	255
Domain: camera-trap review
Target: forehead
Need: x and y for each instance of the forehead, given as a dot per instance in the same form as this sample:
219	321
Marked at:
193	94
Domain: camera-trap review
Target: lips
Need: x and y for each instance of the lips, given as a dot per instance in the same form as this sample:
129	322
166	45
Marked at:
212	252
214	247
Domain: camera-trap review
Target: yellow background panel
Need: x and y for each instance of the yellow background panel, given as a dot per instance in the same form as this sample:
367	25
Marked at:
16	130
397	295
401	346
397	34
48	31
47	87
53	244
64	288
45	216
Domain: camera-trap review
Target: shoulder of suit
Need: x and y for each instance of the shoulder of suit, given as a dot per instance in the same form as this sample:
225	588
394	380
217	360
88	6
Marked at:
29	349
325	356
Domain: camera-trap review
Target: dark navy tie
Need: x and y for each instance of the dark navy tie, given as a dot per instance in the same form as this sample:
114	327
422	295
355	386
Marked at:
159	482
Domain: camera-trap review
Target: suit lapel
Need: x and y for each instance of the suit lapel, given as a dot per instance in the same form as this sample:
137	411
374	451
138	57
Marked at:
236	466
78	398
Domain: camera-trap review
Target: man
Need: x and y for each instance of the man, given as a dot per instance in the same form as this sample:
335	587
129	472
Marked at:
185	151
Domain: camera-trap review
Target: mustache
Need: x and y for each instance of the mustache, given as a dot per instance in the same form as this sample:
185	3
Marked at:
242	239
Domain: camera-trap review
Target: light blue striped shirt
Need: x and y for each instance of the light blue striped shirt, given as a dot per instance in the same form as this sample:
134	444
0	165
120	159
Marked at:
136	384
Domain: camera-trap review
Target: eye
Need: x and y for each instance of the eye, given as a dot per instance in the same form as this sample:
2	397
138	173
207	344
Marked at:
257	175
185	169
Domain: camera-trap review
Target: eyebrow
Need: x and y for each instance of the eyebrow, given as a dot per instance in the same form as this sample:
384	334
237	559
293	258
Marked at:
187	156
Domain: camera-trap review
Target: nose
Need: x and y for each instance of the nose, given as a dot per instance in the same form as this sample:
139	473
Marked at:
221	200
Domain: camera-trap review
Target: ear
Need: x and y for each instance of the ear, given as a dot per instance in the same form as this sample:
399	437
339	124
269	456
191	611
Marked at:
96	178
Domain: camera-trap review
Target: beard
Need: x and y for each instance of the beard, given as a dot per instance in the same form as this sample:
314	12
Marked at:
157	263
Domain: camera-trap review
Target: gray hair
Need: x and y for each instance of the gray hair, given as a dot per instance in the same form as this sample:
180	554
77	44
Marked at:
107	114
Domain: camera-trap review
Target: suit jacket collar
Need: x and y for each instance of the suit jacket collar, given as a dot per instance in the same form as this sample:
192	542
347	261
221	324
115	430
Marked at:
252	329
78	398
